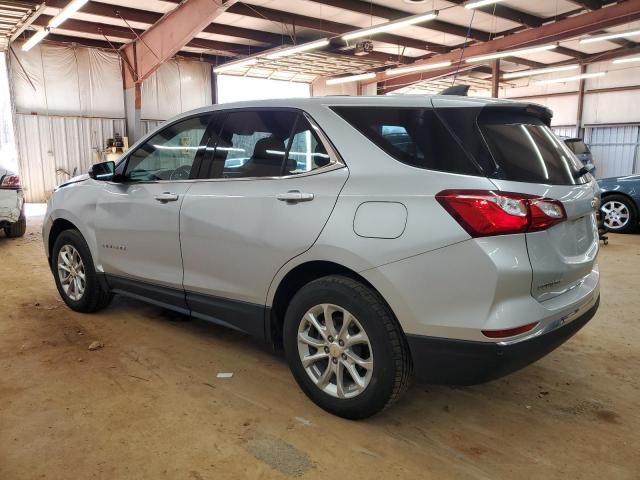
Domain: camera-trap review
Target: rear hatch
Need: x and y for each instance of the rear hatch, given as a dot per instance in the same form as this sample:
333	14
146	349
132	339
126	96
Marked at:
515	148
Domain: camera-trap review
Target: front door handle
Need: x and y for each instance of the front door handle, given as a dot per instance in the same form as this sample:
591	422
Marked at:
295	196
167	197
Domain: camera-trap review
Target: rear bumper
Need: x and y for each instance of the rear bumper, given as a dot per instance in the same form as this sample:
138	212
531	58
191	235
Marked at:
464	362
11	205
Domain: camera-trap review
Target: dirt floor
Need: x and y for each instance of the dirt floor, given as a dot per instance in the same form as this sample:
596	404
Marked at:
149	404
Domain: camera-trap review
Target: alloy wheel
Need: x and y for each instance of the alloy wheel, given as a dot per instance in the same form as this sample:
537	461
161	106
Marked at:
71	272
616	214
335	351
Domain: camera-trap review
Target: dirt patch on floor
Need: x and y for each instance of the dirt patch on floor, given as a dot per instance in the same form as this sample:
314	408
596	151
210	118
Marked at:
149	403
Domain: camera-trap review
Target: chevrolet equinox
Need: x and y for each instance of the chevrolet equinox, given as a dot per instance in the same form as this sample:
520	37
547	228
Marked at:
375	239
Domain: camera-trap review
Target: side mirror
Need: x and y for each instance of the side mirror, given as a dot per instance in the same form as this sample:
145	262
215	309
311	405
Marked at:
103	172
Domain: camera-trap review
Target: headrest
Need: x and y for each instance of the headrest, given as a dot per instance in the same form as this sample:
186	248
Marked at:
270	149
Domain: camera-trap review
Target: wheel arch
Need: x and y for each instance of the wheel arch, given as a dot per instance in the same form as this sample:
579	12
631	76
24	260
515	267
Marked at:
297	278
58	226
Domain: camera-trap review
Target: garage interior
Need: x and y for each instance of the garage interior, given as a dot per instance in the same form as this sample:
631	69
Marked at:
81	81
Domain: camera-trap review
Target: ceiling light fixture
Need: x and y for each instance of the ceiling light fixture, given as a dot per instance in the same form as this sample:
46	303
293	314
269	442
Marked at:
235	65
35	39
351	78
304	47
538	71
480	3
417	68
627	60
571	79
510	53
609	36
66	12
388	26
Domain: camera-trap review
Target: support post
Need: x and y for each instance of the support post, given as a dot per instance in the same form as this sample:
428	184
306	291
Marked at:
579	127
132	94
495	78
145	54
214	86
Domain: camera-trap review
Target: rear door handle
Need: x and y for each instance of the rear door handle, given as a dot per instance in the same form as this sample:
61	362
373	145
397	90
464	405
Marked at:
295	196
167	197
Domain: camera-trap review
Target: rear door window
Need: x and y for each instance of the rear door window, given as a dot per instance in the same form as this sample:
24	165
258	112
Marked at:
253	143
306	151
414	136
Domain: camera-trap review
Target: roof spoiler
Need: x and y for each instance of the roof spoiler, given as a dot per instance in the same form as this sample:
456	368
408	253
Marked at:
459	90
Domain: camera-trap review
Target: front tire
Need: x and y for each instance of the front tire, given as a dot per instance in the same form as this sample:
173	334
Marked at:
345	348
75	275
619	214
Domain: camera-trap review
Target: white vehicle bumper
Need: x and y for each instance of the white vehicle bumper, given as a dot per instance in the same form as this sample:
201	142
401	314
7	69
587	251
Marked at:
11	204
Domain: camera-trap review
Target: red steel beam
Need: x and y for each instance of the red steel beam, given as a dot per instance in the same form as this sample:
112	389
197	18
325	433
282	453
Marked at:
168	35
624	12
124	32
143	16
596	57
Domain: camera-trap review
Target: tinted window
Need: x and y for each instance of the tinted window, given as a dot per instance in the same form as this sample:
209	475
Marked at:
254	143
168	155
525	149
577	146
415	136
306	151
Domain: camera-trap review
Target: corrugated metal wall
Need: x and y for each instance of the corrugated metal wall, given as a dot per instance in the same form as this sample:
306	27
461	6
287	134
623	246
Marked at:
565	131
615	149
148	125
49	146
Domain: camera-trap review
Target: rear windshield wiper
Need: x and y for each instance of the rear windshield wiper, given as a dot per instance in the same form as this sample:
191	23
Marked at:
583	171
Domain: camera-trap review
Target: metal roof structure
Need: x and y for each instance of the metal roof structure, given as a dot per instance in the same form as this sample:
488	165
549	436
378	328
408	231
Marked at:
14	14
252	27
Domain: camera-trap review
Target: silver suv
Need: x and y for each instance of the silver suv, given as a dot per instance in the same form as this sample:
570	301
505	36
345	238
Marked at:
374	239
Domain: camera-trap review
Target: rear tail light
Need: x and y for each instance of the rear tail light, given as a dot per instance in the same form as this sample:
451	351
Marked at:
484	213
509	332
10	181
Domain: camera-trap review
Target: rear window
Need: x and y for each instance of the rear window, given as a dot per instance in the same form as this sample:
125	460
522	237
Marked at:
414	136
525	149
577	146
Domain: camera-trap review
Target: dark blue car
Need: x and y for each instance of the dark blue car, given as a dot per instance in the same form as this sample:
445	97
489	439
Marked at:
620	203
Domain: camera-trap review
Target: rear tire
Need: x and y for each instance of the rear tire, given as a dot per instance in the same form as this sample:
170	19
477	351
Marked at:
371	347
71	257
619	214
17	229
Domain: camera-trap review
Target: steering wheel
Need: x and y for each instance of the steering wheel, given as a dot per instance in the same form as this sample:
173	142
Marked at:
181	173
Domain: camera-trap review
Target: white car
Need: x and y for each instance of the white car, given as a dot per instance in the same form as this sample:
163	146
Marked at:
371	237
12	219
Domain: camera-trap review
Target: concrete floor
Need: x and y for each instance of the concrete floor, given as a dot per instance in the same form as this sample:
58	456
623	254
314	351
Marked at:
149	404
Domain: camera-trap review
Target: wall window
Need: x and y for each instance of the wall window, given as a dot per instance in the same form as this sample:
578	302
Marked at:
169	155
